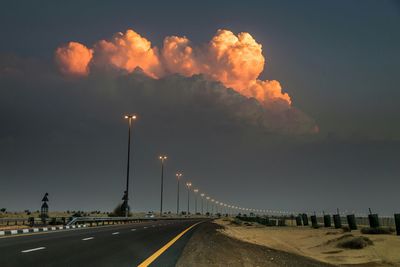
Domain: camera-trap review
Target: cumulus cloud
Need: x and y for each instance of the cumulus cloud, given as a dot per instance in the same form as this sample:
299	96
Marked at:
234	60
128	51
74	58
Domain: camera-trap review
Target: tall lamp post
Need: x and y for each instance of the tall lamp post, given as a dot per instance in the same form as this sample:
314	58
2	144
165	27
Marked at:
212	203
125	205
178	177
208	199
202	200
195	200
188	185
162	158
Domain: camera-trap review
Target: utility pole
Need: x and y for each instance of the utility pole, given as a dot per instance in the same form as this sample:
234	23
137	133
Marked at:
125	205
178	176
162	158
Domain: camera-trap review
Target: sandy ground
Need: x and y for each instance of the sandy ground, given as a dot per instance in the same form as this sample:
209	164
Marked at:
319	244
208	247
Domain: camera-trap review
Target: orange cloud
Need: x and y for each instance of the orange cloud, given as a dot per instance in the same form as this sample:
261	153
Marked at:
234	60
73	59
129	51
179	56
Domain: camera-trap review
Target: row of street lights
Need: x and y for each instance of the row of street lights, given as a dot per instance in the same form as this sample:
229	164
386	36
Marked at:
217	205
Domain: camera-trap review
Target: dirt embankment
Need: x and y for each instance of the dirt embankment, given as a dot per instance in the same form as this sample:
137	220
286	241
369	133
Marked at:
323	244
209	247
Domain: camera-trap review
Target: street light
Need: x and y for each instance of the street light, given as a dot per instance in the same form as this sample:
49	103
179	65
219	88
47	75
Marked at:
212	206
208	198
202	200
195	200
188	185
125	205
162	158
178	176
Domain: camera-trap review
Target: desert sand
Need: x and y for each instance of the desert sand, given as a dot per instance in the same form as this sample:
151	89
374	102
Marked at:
319	244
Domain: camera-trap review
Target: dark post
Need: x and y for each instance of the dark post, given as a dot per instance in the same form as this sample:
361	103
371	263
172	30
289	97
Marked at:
373	219
125	205
188	190
162	158
305	219
327	220
178	176
298	220
314	222
336	220
45	208
351	221
397	222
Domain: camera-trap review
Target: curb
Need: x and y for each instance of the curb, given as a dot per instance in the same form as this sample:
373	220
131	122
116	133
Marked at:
42	229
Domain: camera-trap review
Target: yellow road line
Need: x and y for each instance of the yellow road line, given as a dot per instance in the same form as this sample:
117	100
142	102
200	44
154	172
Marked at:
153	257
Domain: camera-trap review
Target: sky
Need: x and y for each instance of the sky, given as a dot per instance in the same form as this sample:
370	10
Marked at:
334	144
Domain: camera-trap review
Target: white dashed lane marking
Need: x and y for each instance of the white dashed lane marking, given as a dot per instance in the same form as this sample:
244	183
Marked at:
87	238
116	233
33	249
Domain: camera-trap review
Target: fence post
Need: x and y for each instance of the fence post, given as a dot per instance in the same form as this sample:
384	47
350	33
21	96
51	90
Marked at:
305	219
397	222
314	222
327	220
337	221
351	220
298	220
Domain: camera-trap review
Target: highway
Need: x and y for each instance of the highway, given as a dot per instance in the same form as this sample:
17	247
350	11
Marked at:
116	245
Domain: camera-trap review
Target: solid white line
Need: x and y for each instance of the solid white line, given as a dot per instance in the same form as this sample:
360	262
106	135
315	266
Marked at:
87	238
133	229
33	249
116	233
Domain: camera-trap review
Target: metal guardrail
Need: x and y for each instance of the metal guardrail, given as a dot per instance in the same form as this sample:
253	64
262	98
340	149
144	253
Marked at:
113	220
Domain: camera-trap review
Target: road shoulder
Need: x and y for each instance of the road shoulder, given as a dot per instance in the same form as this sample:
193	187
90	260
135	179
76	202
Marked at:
209	247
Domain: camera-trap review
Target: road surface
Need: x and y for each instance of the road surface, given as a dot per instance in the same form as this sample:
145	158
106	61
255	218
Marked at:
118	245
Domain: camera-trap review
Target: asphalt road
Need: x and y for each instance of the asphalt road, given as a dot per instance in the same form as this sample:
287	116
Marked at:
119	245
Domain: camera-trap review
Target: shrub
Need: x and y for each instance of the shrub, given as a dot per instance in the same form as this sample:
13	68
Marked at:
355	243
377	230
118	212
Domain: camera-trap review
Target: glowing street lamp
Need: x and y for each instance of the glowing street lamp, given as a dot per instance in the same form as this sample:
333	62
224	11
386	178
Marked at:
162	158
125	205
188	185
212	206
195	200
208	198
202	200
178	177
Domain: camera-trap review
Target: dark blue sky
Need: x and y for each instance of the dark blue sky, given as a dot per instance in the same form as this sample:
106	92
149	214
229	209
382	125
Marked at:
338	60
